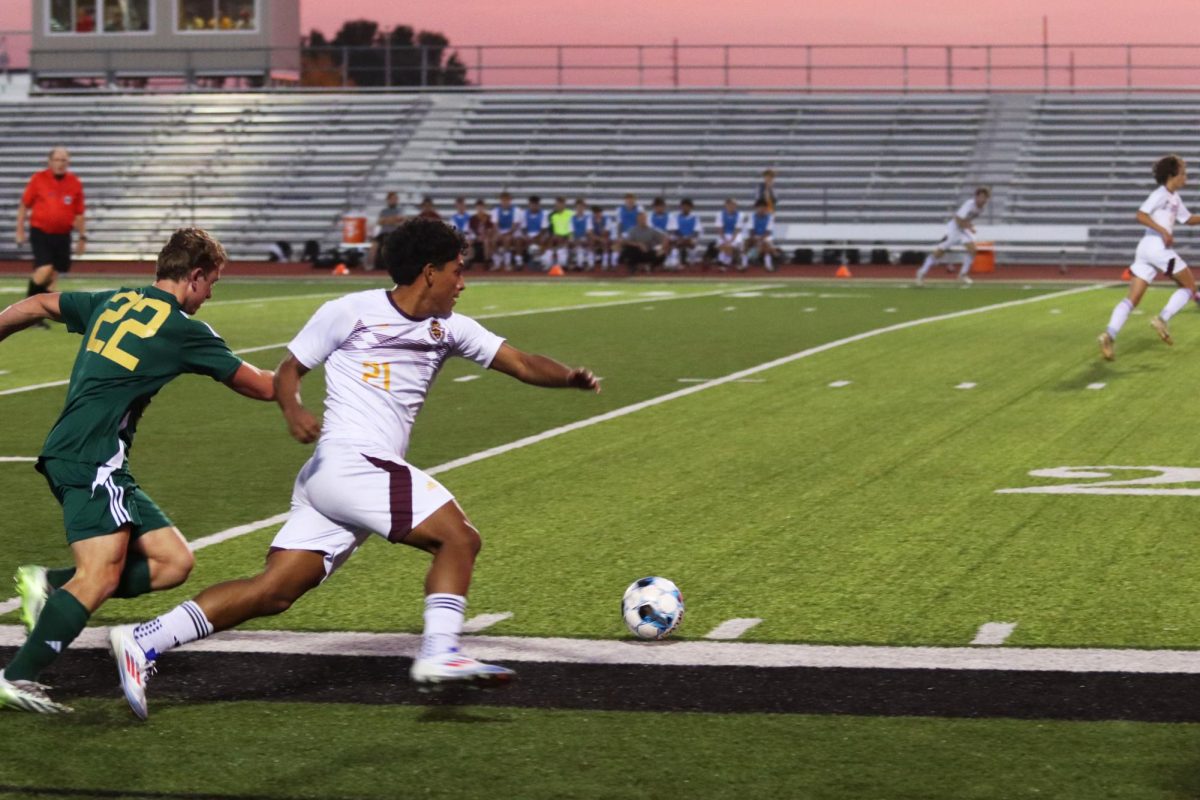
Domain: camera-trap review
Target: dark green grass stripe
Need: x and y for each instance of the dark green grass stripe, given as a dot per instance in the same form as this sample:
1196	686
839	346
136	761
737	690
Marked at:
45	791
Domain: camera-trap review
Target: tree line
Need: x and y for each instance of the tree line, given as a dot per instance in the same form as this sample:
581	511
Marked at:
363	55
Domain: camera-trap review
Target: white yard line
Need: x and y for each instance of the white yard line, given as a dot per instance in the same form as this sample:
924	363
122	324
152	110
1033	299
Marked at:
994	633
17	459
683	653
497	315
732	628
482	455
483	621
966	385
467	378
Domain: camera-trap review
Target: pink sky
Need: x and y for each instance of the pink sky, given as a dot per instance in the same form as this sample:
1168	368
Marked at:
793	22
468	22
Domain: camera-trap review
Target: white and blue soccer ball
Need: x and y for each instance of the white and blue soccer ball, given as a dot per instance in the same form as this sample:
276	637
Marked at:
652	608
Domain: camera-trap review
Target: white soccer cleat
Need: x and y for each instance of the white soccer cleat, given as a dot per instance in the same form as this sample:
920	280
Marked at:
1160	327
133	667
33	588
965	280
28	696
455	669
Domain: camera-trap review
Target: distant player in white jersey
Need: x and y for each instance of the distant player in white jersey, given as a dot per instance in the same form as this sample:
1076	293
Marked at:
1156	254
381	350
960	232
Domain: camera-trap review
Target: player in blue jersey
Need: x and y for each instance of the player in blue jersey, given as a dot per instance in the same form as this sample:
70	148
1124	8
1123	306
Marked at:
731	226
627	214
686	230
602	238
660	218
581	233
461	217
760	236
536	234
510	222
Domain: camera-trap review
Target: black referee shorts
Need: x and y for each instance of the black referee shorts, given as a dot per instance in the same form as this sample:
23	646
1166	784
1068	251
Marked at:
51	248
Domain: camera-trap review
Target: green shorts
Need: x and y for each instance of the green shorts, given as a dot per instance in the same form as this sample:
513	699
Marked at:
98	500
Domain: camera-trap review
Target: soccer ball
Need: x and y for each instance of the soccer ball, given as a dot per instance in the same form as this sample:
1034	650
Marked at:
652	608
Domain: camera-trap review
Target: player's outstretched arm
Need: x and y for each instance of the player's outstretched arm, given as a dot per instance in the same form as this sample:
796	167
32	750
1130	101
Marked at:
21	315
542	370
252	382
303	426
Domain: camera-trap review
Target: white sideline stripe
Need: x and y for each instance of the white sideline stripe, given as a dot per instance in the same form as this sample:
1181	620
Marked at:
498	315
17	459
1096	386
993	633
654	401
466	378
702	380
732	628
839	384
476	624
966	385
682	653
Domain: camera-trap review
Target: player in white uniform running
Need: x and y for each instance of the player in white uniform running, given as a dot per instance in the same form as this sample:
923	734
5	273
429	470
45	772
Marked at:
960	232
382	350
1156	254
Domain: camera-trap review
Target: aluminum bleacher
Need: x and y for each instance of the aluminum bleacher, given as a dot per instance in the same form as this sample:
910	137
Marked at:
256	168
252	168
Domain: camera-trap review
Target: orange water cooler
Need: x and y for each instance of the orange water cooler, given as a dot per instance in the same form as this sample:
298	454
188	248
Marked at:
354	230
985	257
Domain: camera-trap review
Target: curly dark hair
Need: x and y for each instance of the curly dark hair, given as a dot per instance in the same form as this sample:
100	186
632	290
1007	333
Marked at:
418	242
1166	168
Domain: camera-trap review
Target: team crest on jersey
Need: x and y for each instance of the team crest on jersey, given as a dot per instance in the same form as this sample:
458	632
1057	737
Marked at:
67	199
435	329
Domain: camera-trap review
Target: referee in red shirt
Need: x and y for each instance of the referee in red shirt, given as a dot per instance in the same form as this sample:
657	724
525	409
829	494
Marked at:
54	200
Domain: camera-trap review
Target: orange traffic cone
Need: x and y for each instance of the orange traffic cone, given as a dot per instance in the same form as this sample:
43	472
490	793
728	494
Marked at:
556	271
843	272
1126	275
341	269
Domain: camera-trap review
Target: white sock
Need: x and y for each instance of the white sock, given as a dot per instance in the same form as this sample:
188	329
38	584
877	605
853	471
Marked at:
968	260
1179	298
444	615
496	259
1119	316
182	624
507	259
769	261
725	258
928	265
561	255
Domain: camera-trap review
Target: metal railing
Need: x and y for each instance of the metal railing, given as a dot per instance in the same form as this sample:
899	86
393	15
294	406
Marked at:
800	67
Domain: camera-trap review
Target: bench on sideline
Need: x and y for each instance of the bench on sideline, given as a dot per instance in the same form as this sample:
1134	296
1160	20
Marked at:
1055	239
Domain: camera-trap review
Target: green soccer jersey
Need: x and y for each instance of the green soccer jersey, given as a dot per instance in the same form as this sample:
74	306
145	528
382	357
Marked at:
135	342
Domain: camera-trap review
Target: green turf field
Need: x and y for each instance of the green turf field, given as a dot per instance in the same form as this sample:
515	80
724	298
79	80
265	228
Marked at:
842	487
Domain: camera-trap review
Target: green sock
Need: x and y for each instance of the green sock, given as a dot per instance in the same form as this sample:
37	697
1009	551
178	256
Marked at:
58	576
61	621
135	578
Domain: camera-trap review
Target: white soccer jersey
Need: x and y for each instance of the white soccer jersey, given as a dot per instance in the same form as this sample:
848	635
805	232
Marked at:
380	363
968	211
1166	208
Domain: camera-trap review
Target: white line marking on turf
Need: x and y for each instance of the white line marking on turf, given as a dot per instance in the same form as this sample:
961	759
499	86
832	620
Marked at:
966	385
1096	386
994	633
1056	311
1167	476
890	310
522	313
466	378
839	384
4	371
682	653
17	459
705	380
809	309
655	401
729	308
483	621
732	628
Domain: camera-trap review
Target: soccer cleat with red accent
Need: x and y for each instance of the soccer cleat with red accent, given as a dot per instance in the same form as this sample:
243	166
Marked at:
455	669
133	667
